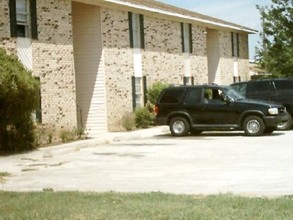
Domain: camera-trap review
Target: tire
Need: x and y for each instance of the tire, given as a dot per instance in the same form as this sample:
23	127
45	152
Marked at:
253	126
195	131
286	125
179	126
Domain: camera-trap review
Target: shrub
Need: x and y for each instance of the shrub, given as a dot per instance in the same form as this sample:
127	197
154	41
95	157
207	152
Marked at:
18	100
67	135
45	134
81	133
73	134
128	121
143	117
154	91
150	106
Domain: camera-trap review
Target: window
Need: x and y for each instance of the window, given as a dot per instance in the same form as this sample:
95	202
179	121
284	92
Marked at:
186	32
235	44
39	107
23	18
193	96
284	87
172	96
136	28
188	80
259	89
241	88
213	96
136	31
284	84
236	79
138	91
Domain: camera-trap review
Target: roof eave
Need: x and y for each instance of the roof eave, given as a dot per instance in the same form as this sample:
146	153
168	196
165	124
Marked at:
215	24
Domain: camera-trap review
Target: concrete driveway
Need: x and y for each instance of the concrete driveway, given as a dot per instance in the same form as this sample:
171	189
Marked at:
153	160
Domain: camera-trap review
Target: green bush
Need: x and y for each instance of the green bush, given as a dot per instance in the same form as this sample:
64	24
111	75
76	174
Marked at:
154	91
143	117
18	99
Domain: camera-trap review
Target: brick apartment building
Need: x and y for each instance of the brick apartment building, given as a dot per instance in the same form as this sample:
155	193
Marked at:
96	58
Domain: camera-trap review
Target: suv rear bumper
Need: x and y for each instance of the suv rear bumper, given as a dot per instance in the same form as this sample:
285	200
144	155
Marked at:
161	121
273	121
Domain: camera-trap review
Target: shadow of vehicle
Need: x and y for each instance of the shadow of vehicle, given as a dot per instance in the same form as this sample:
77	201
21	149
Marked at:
217	134
231	134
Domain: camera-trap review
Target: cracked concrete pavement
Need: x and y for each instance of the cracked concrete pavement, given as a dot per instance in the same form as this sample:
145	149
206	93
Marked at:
152	160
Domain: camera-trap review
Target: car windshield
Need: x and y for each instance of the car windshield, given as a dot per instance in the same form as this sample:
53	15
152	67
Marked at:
232	93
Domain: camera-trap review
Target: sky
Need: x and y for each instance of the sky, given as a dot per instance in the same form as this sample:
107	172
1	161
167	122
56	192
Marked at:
242	12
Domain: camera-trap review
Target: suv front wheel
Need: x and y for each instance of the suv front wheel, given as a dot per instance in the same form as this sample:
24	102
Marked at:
286	125
179	126
253	126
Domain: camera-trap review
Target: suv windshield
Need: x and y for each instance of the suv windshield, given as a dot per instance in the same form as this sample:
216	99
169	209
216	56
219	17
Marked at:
232	93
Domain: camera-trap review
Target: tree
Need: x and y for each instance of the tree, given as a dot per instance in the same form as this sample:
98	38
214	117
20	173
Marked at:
18	99
276	53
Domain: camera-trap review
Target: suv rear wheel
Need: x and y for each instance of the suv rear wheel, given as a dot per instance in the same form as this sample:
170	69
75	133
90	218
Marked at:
253	126
179	126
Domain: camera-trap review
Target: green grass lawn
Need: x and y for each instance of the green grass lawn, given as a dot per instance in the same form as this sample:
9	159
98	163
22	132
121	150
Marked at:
77	205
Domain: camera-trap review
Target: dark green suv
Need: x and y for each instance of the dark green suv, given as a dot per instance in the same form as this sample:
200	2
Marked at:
276	90
193	109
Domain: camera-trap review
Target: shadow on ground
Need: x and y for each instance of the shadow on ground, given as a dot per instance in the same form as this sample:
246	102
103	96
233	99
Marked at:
217	134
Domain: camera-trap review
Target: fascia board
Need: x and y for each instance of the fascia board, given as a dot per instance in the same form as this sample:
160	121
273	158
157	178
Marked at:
182	16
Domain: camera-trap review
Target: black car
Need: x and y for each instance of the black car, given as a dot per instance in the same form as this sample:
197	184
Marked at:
193	109
276	90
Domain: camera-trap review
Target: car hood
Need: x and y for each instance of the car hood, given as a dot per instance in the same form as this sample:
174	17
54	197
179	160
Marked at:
259	102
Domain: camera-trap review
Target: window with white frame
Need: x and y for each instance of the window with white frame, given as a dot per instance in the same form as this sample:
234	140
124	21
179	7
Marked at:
136	31
235	44
23	18
188	80
235	55
186	33
186	30
139	91
136	27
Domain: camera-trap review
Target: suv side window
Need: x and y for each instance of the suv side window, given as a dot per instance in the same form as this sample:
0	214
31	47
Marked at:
257	89
172	96
193	96
284	87
213	96
241	88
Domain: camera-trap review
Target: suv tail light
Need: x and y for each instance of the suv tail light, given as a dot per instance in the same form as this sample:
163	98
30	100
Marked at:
156	109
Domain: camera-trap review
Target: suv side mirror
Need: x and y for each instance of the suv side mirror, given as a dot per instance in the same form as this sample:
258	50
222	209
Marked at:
228	99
